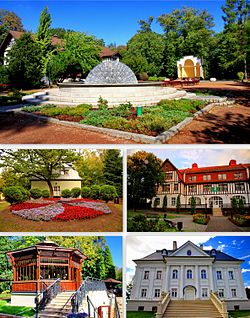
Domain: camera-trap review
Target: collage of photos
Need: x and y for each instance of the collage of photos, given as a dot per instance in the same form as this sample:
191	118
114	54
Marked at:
124	159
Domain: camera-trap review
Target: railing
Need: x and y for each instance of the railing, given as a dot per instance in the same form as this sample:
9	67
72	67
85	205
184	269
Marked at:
92	312
220	305
114	306
162	305
50	292
117	311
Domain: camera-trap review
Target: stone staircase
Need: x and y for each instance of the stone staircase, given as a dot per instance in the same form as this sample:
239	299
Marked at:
217	212
191	309
55	308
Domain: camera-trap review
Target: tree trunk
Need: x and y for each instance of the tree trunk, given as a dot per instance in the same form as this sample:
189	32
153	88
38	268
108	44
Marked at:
245	68
51	192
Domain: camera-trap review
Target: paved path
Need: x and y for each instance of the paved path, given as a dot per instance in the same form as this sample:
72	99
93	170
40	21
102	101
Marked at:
222	224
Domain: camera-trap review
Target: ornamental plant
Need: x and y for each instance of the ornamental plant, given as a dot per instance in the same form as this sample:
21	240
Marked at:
85	192
36	193
95	192
15	194
45	193
75	192
66	193
107	193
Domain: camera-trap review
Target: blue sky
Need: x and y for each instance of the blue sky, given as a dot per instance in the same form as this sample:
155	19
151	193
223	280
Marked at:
236	246
113	21
183	158
115	245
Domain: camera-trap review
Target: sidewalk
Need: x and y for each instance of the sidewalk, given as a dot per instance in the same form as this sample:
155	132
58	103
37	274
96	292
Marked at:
222	224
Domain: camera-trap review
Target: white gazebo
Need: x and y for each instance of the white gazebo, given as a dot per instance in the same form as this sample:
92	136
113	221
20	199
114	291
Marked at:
190	67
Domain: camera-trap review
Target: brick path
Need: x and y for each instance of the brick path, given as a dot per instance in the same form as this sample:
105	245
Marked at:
222	224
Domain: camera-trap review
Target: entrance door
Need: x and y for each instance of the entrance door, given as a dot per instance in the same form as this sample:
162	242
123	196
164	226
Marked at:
57	191
215	202
189	293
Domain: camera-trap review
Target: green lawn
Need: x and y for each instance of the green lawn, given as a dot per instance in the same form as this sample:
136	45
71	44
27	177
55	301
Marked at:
148	215
140	314
15	310
240	313
3	205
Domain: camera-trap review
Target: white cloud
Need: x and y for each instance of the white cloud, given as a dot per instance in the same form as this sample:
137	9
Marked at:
245	270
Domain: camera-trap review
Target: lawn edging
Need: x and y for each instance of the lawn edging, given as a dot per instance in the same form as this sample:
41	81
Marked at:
161	138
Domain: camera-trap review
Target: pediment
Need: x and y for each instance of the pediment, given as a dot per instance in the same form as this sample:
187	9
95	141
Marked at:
189	249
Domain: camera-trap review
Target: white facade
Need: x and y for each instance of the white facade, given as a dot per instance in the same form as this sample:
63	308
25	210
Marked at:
187	273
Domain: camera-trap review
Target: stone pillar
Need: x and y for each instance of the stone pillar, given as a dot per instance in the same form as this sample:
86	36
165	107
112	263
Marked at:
211	278
197	279
181	296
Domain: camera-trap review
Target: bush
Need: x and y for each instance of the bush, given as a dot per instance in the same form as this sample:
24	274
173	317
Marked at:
85	192
143	76
4	78
66	193
45	193
15	194
102	103
36	193
95	192
200	218
108	193
75	192
240	76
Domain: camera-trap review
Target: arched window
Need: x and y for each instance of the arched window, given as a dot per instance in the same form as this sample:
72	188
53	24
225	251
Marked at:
189	274
189	253
197	201
203	274
240	197
175	274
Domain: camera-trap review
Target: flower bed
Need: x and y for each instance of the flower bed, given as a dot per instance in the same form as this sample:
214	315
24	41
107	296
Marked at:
200	218
60	209
240	220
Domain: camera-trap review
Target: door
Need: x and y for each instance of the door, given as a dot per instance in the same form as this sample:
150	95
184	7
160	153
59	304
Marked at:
189	293
57	191
215	202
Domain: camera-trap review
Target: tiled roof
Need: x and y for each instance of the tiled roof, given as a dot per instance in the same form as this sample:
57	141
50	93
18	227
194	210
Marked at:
16	34
106	52
55	40
215	169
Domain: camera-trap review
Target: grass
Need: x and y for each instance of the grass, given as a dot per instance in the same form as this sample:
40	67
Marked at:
240	313
140	314
3	205
154	120
148	215
12	98
15	310
105	223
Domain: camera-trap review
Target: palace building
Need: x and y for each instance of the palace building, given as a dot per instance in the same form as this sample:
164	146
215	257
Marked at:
212	187
187	274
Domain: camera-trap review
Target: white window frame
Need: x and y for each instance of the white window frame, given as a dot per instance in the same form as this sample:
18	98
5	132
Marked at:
175	274
230	275
173	201
189	274
204	292
158	274
221	292
144	292
157	293
174	292
203	274
146	275
233	292
219	275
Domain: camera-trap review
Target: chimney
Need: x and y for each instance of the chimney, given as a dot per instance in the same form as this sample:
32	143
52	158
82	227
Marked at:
201	246
232	162
174	245
194	166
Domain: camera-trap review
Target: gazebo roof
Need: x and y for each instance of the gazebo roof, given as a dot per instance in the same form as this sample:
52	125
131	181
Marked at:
111	280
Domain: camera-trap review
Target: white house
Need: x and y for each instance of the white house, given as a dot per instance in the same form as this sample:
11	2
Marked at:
67	179
188	273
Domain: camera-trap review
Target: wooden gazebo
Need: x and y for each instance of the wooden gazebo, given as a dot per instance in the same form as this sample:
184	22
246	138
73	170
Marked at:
37	267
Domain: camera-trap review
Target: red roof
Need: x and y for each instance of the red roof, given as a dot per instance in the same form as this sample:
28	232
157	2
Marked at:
16	34
106	52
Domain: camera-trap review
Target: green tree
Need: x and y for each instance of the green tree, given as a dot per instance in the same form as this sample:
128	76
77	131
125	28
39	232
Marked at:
59	32
118	273
24	62
79	54
144	173
42	164
101	268
193	205
165	203
9	21
112	169
109	265
178	203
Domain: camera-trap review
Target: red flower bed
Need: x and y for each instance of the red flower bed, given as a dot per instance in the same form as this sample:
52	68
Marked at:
51	199
84	200
25	205
77	213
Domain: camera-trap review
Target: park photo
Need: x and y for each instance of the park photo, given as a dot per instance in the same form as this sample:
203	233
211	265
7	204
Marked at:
198	190
173	73
61	276
48	190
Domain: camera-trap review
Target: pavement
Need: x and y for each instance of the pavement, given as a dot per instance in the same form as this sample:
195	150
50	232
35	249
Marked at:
222	224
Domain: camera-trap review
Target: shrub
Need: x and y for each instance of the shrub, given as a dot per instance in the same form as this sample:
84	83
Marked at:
95	192
15	194
143	76
85	192
107	193
102	103
153	78
4	78
240	76
45	193
200	218
36	193
75	192
66	193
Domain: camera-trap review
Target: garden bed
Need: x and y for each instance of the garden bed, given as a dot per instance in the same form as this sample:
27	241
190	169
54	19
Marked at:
57	209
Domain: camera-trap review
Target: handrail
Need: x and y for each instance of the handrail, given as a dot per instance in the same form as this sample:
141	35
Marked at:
44	297
220	305
162	304
90	304
117	311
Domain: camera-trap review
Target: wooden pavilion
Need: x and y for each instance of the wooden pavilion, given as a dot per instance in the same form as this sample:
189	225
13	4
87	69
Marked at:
36	267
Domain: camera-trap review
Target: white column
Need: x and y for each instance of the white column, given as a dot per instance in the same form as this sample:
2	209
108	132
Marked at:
135	293
240	284
181	282
197	281
211	278
227	291
166	283
150	293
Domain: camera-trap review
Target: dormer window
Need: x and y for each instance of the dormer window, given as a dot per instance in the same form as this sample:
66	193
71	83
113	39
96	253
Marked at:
192	178
213	252
189	253
164	253
206	177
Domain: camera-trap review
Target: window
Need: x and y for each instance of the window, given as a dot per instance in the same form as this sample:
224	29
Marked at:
239	187
197	201
192	188
230	275
166	188
176	187
174	292
203	274
238	175
192	178
141	308
146	275
218	275
154	309
223	187
173	201
221	293
143	292
189	274
158	275
175	274
189	253
222	176
169	175
157	293
206	177
56	188
204	293
233	292
207	188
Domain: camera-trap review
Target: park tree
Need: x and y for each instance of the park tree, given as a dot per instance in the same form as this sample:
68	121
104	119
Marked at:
144	173
24	63
9	21
193	204
118	273
112	169
109	265
145	50
79	53
187	31
178	203
42	164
